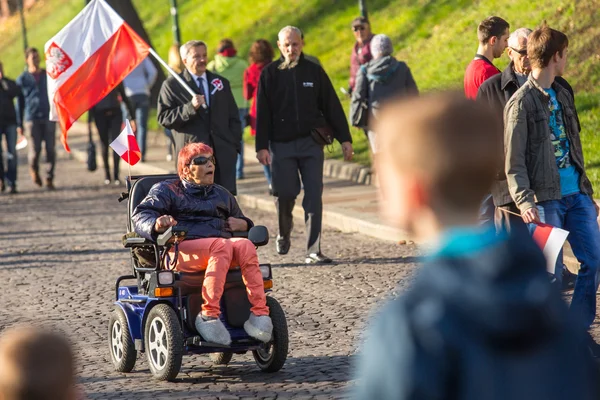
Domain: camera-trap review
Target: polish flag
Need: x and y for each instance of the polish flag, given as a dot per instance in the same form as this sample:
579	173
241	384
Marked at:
127	146
551	240
87	59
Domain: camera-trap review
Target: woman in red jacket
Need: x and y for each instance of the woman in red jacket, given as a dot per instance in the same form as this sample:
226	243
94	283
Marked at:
261	54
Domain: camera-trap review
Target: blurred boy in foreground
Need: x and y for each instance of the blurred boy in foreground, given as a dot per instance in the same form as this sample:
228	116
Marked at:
481	320
36	365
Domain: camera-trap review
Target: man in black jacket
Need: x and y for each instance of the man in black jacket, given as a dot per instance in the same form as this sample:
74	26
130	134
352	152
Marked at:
496	91
296	96
211	116
8	127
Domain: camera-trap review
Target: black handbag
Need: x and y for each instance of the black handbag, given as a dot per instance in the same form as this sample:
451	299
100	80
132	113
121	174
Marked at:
91	151
323	135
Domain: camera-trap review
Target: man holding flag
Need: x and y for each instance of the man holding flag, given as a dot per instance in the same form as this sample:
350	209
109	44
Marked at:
545	168
209	116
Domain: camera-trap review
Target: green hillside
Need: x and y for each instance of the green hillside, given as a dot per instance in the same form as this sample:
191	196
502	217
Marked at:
437	38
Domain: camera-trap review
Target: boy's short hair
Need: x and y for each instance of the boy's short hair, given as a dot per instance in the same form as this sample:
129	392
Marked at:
453	142
543	44
490	27
35	364
30	50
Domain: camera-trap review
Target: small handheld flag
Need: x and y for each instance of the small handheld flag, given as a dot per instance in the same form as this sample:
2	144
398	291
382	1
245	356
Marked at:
551	240
127	146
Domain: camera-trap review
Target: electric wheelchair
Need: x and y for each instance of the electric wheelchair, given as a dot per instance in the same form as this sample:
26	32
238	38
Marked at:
156	314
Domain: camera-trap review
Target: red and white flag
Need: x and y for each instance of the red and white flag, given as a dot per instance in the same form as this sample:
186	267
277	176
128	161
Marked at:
551	240
127	146
87	59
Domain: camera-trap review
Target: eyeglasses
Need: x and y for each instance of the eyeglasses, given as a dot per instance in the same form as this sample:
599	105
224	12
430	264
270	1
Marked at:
358	28
201	160
522	52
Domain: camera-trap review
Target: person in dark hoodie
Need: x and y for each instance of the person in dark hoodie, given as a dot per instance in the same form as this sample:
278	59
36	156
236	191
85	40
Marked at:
381	78
481	320
109	119
8	128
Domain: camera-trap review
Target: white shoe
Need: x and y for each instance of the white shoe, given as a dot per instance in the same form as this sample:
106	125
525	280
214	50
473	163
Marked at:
259	327
212	330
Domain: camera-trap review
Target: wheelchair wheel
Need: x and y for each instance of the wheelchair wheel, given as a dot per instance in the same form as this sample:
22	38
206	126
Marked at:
220	358
271	356
122	350
163	342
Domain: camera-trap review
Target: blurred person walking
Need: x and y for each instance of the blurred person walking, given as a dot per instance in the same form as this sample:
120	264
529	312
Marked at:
296	107
261	54
492	34
481	320
108	116
211	116
227	64
377	81
33	114
138	85
9	91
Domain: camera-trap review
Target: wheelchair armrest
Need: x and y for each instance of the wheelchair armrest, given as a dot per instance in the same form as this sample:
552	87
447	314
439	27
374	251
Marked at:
132	239
259	235
172	233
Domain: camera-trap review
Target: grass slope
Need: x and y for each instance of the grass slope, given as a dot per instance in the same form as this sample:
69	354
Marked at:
437	38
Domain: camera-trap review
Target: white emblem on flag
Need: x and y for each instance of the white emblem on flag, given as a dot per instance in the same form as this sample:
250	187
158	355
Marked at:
57	61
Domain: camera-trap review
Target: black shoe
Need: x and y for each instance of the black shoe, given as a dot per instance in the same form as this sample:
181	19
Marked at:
13	190
592	346
2	186
283	245
317	258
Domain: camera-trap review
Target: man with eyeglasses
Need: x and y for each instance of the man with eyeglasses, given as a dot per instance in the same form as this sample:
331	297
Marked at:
492	33
496	91
361	52
211	116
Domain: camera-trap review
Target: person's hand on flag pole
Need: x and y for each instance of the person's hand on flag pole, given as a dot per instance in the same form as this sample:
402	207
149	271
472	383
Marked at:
126	146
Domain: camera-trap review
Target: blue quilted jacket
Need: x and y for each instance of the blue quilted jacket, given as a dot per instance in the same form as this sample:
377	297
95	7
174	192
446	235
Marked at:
202	209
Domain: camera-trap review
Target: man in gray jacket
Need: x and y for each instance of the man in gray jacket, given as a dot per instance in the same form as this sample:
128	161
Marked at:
381	78
545	168
210	116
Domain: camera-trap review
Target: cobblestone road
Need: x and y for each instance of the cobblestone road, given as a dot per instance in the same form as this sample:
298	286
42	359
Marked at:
60	254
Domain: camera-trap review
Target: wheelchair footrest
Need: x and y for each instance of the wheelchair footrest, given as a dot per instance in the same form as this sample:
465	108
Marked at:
198	341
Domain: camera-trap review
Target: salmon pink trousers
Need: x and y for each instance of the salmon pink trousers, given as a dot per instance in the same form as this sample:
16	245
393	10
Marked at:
216	256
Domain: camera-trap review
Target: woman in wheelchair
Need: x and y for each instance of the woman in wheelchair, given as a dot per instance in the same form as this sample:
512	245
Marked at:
211	214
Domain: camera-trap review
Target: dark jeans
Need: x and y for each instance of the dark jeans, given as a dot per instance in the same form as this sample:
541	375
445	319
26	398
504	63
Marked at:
239	165
10	134
42	131
109	123
576	214
305	156
141	104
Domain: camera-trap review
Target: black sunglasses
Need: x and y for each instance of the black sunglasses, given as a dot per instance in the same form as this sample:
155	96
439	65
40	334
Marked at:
358	28
201	160
521	52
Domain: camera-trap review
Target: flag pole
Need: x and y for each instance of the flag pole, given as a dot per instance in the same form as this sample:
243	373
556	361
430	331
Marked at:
173	73
128	127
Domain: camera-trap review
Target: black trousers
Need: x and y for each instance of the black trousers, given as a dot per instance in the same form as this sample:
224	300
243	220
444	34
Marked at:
109	123
291	161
